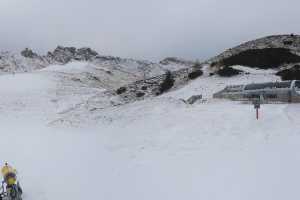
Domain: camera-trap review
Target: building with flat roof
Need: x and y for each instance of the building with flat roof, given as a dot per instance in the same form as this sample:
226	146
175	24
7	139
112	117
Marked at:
285	91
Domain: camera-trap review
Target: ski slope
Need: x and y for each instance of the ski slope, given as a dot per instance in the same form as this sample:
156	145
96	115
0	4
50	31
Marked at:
159	148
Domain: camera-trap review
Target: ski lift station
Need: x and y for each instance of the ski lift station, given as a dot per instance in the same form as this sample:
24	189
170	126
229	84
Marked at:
285	91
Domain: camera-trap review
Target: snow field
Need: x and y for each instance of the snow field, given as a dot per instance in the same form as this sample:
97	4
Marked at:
159	148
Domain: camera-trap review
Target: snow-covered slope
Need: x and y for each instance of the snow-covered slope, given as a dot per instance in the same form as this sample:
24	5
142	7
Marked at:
65	133
208	85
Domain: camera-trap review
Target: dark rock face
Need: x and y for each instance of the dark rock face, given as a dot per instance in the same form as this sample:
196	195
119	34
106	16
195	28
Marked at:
121	90
28	53
140	94
144	88
195	74
193	99
167	84
288	42
290	74
267	52
228	72
262	58
62	54
85	54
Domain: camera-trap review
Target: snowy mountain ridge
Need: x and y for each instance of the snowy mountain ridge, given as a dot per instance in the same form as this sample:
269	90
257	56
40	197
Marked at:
70	131
109	72
27	61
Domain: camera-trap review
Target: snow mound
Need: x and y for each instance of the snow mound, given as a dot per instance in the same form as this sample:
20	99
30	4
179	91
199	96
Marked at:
72	67
24	84
254	70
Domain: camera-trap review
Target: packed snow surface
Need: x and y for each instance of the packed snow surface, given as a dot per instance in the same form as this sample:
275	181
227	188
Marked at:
73	67
23	84
252	70
158	148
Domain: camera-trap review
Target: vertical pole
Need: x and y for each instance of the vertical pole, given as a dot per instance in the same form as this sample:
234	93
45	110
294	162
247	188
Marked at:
257	114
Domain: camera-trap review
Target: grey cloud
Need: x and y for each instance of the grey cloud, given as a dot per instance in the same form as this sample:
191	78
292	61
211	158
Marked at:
153	29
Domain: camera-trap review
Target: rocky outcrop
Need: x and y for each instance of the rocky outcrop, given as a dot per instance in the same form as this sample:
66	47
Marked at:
155	86
28	53
193	99
64	55
268	52
167	83
292	73
261	58
228	72
195	74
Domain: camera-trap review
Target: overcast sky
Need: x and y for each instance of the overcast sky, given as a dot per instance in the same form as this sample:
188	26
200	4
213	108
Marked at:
144	29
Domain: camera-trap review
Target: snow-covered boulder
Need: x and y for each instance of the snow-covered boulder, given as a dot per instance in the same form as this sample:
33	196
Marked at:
193	99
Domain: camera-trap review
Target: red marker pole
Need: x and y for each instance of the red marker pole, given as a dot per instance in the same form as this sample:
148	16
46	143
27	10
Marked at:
257	107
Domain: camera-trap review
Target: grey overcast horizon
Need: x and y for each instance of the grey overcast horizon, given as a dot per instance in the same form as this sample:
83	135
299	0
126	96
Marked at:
144	29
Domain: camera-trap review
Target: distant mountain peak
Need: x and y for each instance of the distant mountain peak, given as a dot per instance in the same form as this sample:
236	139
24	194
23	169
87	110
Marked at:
65	54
